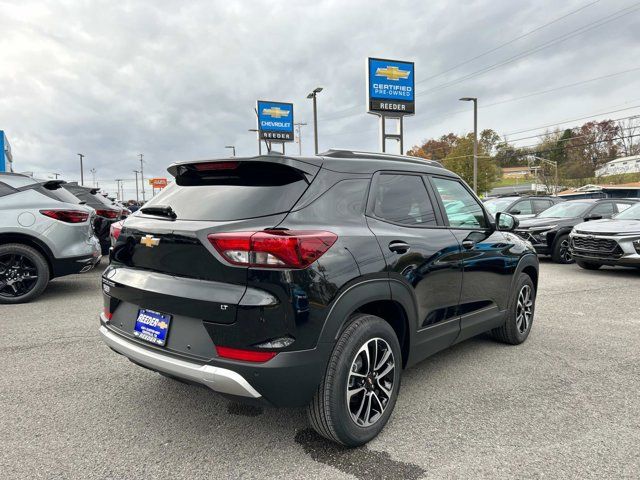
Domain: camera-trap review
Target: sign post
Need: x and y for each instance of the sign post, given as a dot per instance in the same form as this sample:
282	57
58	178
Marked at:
390	95
275	122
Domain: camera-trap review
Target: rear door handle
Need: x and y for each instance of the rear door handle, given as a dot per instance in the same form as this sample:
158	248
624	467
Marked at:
399	246
468	244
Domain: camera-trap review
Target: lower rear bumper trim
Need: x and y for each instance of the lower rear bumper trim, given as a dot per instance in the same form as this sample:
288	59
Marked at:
218	379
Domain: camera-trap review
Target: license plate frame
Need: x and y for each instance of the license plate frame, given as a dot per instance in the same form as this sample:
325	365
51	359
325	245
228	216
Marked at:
152	327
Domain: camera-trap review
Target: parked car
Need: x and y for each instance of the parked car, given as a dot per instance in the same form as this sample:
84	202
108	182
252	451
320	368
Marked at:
114	232
549	231
313	281
44	233
614	242
521	207
106	212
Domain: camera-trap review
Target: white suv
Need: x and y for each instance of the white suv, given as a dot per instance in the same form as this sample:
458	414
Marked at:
45	232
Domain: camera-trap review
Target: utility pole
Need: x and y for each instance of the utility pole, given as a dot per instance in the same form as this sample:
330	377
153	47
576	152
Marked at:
142	177
56	175
312	96
93	176
299	130
137	197
81	169
475	139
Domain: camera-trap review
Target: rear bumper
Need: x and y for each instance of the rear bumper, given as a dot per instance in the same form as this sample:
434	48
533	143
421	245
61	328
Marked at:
219	379
71	265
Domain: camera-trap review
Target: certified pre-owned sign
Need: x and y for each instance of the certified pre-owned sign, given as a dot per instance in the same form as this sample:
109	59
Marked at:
390	87
275	121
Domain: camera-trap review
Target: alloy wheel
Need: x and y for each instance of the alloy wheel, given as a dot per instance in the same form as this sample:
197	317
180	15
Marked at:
18	275
565	253
524	309
371	381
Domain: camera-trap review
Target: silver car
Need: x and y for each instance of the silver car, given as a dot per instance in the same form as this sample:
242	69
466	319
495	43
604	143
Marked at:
45	232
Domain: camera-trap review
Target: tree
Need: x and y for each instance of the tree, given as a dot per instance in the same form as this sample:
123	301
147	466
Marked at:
629	139
460	161
435	149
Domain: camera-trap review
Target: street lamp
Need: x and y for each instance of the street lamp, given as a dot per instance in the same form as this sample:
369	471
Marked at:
312	95
257	132
81	169
137	196
553	163
475	139
299	129
232	147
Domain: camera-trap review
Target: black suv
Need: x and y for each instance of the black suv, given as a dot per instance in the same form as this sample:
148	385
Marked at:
520	207
313	281
549	231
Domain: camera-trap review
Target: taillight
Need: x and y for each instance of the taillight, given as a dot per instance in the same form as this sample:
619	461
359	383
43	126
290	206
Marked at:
244	355
209	166
273	248
115	228
107	213
107	313
67	216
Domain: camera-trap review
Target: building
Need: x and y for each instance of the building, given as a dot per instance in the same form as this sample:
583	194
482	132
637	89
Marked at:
624	190
6	163
516	172
619	166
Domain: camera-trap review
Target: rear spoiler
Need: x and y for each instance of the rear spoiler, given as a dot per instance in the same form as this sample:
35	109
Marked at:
53	184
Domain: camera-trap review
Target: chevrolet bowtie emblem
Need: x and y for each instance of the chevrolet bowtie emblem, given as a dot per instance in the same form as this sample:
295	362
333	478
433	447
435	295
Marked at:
275	112
392	73
149	241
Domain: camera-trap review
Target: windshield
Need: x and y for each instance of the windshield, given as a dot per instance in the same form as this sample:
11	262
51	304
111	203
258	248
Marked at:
64	195
631	213
496	205
566	210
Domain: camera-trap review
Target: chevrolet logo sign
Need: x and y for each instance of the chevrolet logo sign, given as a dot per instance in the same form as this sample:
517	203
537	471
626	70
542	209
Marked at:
392	73
149	241
275	112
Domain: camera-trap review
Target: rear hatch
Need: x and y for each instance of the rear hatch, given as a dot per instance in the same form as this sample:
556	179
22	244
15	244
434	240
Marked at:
163	259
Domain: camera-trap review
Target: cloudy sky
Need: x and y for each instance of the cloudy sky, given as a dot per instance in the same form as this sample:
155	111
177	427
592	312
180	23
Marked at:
178	80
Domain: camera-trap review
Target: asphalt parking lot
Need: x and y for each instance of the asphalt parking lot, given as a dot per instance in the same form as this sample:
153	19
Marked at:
563	405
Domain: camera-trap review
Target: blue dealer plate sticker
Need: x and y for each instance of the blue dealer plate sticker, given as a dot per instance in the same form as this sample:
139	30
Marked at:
152	327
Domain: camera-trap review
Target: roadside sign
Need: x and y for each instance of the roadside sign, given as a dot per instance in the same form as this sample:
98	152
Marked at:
275	121
158	182
390	87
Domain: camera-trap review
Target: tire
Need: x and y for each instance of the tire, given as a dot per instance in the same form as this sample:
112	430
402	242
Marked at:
330	413
513	332
18	260
561	252
588	265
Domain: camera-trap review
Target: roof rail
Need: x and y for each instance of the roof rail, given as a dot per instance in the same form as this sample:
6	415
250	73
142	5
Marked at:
339	153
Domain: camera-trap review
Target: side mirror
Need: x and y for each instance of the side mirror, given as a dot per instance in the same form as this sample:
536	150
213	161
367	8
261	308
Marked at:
592	217
506	222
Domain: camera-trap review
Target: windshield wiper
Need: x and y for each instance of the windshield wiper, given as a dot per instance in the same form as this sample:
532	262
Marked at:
160	211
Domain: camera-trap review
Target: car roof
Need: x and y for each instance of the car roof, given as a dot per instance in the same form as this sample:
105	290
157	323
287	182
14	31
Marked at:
16	180
345	161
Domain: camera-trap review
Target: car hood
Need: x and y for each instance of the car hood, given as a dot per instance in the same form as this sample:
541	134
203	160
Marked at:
541	222
612	226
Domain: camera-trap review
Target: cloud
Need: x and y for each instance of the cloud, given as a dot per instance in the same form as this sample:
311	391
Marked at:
179	80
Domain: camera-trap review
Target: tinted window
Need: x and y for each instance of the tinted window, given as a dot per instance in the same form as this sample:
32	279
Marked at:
571	209
462	209
632	213
605	209
523	206
6	189
403	199
247	190
621	207
541	205
496	205
63	195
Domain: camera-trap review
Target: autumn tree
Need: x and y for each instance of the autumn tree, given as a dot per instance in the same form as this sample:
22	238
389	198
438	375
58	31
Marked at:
460	161
435	149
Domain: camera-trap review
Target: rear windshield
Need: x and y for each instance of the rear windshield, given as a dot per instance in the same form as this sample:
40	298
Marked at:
247	190
63	195
104	200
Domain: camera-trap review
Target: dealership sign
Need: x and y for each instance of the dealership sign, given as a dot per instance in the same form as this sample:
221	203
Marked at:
390	87
275	121
158	182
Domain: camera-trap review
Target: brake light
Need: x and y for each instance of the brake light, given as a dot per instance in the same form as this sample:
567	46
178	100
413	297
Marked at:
67	216
244	355
209	166
115	230
107	313
273	248
107	213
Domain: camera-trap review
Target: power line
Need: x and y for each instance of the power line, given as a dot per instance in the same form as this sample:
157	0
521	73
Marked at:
513	40
590	26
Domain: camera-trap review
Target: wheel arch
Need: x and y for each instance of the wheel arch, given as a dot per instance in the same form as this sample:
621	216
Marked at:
33	242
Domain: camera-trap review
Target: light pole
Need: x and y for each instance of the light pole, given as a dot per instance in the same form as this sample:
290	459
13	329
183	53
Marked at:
233	148
258	135
81	169
475	139
137	197
142	176
93	175
312	95
299	129
554	163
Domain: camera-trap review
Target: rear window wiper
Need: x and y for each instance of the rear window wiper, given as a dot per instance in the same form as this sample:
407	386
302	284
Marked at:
160	211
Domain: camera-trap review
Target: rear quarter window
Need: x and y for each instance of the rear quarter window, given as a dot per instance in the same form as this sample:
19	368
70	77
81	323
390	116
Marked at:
250	190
